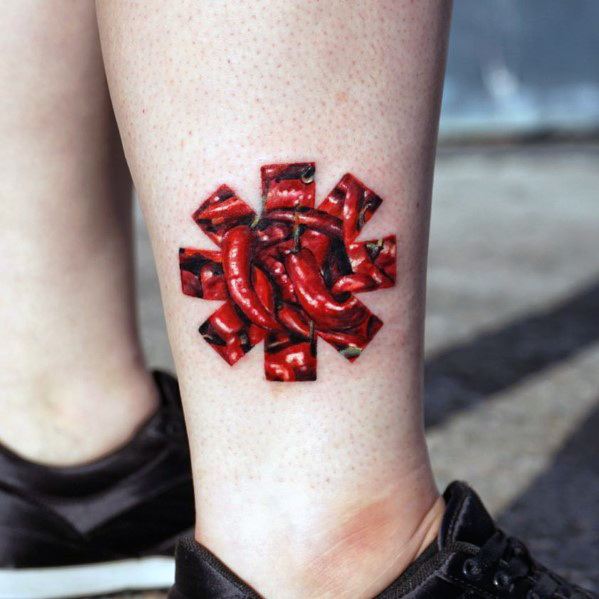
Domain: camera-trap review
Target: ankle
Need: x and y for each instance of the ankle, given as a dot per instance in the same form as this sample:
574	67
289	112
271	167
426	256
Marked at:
370	550
64	418
347	549
374	544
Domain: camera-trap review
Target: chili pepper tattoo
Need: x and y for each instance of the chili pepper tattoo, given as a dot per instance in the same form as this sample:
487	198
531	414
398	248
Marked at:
288	275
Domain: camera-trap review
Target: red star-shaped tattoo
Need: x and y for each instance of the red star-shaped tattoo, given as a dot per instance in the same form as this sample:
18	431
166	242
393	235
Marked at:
288	275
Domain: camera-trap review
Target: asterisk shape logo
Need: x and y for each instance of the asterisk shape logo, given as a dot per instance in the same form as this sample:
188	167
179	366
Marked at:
289	275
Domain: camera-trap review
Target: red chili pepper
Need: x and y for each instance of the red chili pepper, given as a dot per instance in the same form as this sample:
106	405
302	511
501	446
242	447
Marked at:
292	319
288	360
353	283
288	185
190	284
352	201
202	274
276	269
237	249
316	299
273	233
222	211
255	334
361	262
214	286
263	289
375	259
318	243
350	344
229	334
311	218
226	321
386	259
213	255
225	210
343	340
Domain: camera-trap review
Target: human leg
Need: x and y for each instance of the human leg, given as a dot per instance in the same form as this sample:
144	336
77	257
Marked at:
318	488
72	380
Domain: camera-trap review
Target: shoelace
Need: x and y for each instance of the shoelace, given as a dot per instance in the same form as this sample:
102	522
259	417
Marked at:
519	565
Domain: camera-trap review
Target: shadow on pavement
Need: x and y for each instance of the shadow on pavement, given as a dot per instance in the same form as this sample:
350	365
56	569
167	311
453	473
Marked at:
493	361
558	514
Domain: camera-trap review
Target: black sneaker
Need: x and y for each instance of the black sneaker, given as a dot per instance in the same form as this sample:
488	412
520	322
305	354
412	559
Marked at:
470	559
103	527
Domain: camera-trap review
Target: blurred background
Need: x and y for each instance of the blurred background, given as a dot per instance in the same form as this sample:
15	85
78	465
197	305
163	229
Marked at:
512	371
522	68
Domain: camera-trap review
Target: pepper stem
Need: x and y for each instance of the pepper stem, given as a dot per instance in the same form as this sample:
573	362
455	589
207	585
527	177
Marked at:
296	231
312	338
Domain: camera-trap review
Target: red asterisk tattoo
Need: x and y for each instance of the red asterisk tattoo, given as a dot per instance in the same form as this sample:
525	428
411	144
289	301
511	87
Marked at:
288	275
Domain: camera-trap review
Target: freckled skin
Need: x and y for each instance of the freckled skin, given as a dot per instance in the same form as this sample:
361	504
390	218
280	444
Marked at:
354	86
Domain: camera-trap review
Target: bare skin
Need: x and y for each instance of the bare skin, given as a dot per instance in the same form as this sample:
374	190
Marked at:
72	381
317	489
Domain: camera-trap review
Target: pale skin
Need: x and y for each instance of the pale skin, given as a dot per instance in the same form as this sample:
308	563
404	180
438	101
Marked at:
319	489
72	380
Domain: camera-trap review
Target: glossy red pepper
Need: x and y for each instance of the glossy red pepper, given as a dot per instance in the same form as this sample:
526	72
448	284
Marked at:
225	210
288	185
349	343
215	220
311	218
317	242
352	202
229	334
202	274
386	258
353	283
362	264
375	259
288	360
268	259
226	321
263	288
213	282
314	297
237	248
272	234
292	319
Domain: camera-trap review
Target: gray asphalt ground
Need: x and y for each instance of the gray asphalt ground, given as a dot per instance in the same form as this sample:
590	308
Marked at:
512	371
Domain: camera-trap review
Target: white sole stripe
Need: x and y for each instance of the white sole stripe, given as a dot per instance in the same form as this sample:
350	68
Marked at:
62	582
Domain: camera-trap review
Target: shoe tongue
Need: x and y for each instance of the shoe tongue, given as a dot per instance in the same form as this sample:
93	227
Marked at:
466	518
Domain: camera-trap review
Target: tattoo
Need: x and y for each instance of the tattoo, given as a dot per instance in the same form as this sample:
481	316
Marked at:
288	275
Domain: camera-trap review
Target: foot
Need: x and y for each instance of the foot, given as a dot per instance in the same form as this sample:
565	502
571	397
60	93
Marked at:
471	558
102	527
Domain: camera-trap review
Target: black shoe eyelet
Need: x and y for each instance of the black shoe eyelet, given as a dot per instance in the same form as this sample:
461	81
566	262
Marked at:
502	580
472	569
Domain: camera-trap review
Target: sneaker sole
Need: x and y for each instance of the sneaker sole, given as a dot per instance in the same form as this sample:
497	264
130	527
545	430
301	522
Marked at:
61	582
